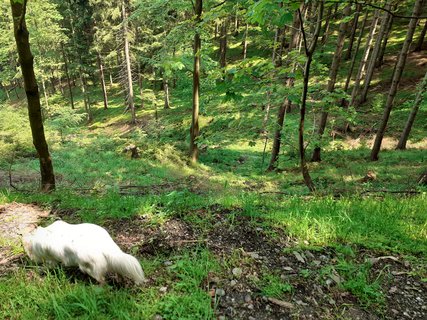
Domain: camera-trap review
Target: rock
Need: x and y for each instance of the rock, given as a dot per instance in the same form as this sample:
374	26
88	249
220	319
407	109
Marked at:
298	256
167	263
317	263
233	283
309	254
251	318
288	269
163	289
248	298
250	306
237	272
157	317
392	290
221	318
220	292
254	255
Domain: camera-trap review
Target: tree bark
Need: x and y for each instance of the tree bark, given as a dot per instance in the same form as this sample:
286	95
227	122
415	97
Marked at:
85	96
309	51
68	76
363	61
375	52
400	65
327	24
140	84
420	41
33	97
245	43
332	79
223	45
101	77
194	130
277	140
166	90
353	32
407	130
380	58
130	97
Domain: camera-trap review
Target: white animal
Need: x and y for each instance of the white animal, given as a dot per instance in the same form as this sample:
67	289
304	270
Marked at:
85	245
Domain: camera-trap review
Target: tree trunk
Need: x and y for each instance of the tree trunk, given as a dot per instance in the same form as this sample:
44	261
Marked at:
67	75
140	84
52	81
166	90
309	51
101	77
362	65
194	130
420	41
46	101
353	60
245	42
85	96
131	104
327	24
336	60
400	65
375	52
277	140
353	32
407	130
380	59
33	96
223	45
111	78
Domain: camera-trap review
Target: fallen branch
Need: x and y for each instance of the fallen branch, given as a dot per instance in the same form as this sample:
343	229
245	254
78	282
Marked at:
281	303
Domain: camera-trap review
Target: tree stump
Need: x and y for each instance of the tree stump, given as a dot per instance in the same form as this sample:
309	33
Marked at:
133	149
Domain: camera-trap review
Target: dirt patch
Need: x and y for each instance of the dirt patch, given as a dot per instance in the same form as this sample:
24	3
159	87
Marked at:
16	219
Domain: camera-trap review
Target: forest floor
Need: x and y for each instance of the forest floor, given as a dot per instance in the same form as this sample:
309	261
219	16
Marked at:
222	239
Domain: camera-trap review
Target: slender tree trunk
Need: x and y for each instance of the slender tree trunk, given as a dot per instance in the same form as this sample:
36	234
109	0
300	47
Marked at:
61	86
245	42
223	45
111	78
375	52
353	60
52	81
101	77
309	51
166	90
275	45
277	140
326	27
407	130
380	59
67	75
362	65
131	104
33	96
332	79
46	101
420	41
400	65
194	130
140	84
85	96
353	32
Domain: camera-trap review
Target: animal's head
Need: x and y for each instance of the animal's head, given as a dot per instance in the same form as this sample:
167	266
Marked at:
30	238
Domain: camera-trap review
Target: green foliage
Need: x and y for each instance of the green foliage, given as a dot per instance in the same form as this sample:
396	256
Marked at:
273	286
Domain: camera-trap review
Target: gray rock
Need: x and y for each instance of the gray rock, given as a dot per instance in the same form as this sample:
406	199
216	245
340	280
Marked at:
220	292
237	272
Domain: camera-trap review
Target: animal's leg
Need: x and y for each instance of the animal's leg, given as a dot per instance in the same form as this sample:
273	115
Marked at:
95	271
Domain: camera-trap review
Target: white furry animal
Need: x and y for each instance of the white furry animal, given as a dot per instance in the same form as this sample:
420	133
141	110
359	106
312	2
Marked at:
85	245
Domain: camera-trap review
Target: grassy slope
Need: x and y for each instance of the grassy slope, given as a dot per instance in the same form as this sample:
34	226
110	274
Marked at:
229	175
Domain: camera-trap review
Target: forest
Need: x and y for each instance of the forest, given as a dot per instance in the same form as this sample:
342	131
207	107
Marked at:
261	159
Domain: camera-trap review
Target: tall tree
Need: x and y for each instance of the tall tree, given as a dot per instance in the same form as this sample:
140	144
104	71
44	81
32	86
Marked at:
32	91
397	75
407	130
336	60
375	52
130	96
194	130
420	41
309	51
